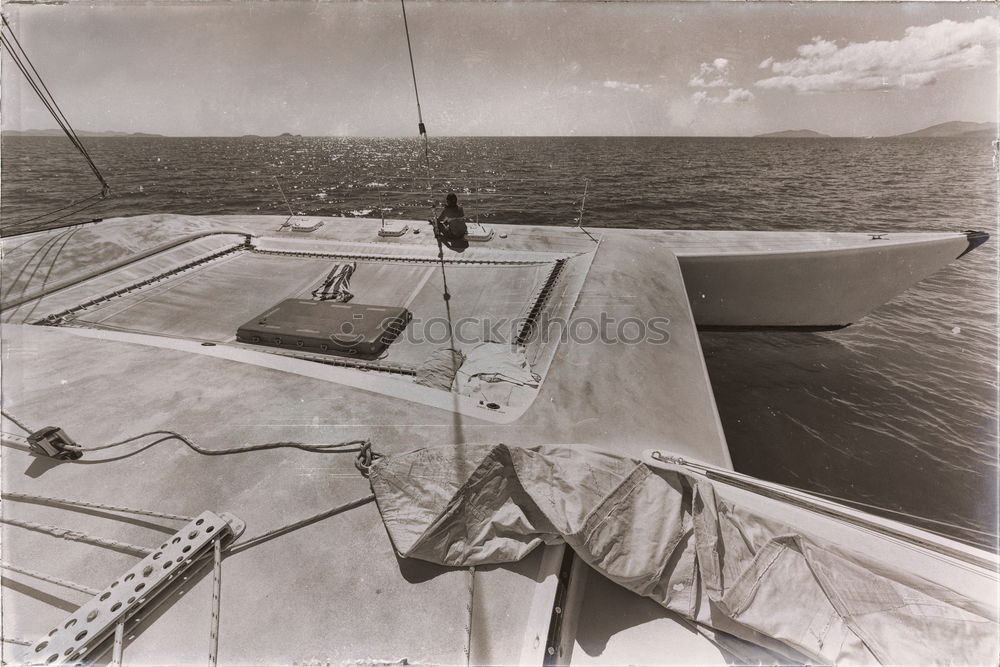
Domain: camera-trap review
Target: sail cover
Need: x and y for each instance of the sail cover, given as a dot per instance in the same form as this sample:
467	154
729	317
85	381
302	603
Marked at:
666	535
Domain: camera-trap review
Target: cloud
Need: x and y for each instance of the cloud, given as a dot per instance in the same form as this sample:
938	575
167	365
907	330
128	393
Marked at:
626	86
711	75
913	61
738	96
734	96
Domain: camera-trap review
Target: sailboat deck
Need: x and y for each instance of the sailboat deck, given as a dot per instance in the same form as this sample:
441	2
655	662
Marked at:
136	363
125	326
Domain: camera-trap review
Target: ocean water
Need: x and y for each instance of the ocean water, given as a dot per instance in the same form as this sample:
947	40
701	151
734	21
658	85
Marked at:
898	412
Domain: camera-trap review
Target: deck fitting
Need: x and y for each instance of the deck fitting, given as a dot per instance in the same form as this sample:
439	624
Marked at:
93	623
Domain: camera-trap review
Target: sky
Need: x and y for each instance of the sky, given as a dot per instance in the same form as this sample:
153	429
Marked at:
510	68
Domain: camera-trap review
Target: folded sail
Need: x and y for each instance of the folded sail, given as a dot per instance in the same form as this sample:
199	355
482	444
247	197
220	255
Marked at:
668	536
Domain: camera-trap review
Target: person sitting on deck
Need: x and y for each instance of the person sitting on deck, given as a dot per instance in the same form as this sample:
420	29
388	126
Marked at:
450	224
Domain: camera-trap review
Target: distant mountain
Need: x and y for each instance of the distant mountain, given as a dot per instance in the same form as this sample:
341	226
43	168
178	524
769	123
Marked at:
83	133
955	128
794	134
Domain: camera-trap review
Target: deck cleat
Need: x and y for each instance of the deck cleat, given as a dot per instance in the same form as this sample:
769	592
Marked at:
53	442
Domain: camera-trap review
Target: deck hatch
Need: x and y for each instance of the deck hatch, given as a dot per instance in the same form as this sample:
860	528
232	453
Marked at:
353	329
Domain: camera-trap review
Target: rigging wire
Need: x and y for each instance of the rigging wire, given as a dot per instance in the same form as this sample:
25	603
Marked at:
446	296
20	57
9	41
58	210
282	191
421	128
753	484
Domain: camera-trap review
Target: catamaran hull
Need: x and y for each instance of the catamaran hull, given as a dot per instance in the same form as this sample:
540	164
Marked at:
128	326
819	289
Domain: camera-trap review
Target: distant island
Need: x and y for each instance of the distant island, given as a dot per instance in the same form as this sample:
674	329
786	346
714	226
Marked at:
956	128
111	133
81	133
794	134
951	129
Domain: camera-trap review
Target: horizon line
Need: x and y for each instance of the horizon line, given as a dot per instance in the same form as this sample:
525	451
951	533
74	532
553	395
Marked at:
112	134
814	134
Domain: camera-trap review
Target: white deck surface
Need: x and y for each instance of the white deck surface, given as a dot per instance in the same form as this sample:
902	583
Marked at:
335	590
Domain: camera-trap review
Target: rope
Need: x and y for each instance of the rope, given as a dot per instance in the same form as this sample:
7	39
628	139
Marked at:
363	448
16	422
23	497
271	534
92	204
77	536
365	459
348	447
48	100
43	215
49	578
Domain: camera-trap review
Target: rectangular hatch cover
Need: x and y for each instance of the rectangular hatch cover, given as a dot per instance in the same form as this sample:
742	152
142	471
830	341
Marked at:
326	327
